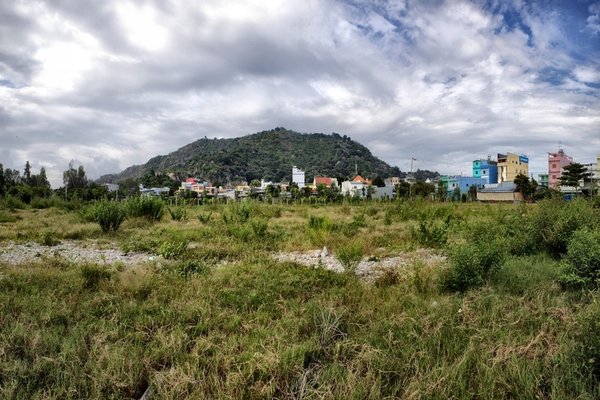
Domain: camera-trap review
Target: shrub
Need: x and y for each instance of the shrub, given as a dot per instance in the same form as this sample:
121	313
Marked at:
189	268
171	249
432	233
319	223
178	213
151	208
205	218
557	220
471	264
350	256
586	348
12	203
93	275
259	227
582	262
109	215
48	239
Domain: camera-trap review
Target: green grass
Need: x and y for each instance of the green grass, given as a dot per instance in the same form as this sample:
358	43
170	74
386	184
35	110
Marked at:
255	328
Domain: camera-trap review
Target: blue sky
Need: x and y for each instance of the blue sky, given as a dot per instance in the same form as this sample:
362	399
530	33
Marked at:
114	83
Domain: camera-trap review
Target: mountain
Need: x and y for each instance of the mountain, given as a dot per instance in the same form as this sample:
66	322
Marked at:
268	154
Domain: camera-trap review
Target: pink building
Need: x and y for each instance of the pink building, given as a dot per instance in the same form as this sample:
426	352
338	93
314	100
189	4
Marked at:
556	162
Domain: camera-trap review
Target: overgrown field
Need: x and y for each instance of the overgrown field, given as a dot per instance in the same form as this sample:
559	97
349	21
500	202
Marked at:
514	312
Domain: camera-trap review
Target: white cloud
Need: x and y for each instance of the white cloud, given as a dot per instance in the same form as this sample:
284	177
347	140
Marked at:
444	82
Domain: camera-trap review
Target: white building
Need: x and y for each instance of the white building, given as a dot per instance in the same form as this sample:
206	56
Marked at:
298	177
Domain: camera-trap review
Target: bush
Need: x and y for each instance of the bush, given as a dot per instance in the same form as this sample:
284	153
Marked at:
432	233
48	239
204	218
93	275
171	250
12	203
189	268
471	264
259	228
178	213
350	256
582	262
151	208
109	215
319	223
586	349
557	220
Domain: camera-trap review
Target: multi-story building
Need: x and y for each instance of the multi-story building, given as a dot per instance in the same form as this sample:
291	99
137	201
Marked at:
556	162
298	177
510	165
486	169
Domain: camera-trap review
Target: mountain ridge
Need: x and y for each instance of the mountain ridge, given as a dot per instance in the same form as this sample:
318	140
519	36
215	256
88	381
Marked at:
268	154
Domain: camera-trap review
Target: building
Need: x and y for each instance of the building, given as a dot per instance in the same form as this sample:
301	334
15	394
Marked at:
543	180
298	177
324	180
486	169
463	183
504	192
392	181
355	187
510	165
556	162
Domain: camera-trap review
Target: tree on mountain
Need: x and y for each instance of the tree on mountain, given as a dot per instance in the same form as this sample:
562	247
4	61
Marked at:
572	174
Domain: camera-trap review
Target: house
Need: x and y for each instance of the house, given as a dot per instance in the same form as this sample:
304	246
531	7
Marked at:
504	192
463	183
324	180
155	191
392	181
355	187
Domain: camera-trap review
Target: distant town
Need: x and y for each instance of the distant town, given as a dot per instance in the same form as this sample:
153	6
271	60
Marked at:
504	179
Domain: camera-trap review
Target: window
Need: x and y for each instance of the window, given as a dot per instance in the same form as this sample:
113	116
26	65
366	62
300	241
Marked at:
553	166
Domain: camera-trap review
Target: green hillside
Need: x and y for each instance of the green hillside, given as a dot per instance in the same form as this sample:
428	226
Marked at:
269	155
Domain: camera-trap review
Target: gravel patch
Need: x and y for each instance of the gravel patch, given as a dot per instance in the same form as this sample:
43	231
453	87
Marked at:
72	251
370	268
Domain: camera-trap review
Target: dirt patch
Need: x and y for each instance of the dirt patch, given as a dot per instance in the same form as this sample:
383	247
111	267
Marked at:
370	268
72	251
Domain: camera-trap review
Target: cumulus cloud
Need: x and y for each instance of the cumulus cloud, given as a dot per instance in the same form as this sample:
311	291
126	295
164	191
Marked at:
444	82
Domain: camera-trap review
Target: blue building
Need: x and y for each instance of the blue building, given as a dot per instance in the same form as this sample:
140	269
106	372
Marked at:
462	182
486	169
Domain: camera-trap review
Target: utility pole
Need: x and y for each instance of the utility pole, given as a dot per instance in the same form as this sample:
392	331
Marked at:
412	159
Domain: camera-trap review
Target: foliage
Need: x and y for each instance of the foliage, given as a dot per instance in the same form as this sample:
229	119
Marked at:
266	155
93	275
178	213
350	255
204	217
582	260
471	264
432	232
109	215
149	207
556	220
572	174
171	249
191	268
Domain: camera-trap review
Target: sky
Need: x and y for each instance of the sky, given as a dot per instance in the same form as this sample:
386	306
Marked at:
113	83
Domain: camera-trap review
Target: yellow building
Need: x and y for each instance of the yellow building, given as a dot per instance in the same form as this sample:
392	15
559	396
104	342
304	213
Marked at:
510	165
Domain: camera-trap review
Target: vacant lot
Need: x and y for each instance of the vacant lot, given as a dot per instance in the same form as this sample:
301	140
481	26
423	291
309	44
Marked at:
358	301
